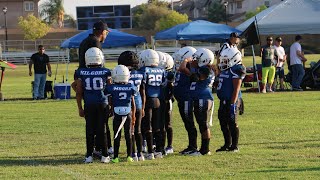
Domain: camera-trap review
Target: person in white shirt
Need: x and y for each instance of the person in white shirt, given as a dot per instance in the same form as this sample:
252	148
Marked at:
282	57
296	60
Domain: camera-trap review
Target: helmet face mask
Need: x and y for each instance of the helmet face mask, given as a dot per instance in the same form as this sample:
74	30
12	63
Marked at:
120	74
229	57
94	57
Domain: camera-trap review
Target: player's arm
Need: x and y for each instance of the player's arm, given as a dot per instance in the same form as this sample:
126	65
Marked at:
237	85
183	66
143	98
49	69
133	111
301	55
79	96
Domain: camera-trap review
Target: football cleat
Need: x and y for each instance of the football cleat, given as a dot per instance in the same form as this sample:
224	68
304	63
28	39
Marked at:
88	159
149	156
223	148
158	155
115	160
134	156
97	154
140	157
194	153
233	149
169	150
187	151
129	159
105	159
110	150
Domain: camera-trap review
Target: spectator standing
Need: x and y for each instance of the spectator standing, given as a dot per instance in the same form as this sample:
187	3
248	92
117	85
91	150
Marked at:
40	60
269	58
296	60
280	64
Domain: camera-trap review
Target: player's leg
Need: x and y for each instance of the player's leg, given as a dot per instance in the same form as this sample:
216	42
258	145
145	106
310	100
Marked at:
223	114
137	134
101	132
168	126
147	123
234	131
158	128
89	112
116	124
202	111
127	134
42	85
186	113
271	74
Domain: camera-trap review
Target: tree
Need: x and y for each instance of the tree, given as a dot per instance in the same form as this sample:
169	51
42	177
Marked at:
216	12
53	11
170	20
146	15
33	27
250	14
151	15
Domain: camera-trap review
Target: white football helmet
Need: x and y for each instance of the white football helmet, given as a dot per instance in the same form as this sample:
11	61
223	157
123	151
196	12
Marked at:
184	53
204	57
94	56
229	57
169	61
141	61
162	60
150	57
120	74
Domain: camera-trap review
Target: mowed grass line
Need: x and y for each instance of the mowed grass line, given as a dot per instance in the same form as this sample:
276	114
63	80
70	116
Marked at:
279	139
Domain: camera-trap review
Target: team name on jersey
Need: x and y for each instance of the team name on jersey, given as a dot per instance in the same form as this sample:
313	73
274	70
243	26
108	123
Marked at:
155	70
93	73
224	75
136	76
122	88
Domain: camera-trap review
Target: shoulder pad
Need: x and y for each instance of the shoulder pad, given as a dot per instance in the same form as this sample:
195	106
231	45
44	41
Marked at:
240	70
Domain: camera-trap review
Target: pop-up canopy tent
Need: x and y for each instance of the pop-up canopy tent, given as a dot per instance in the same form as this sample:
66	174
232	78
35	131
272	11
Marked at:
288	17
115	38
197	31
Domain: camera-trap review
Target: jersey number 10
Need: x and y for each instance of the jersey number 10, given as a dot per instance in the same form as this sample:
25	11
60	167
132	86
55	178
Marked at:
94	84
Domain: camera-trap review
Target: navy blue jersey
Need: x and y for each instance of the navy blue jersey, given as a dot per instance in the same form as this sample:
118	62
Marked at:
202	89
121	94
181	89
94	81
225	87
153	79
168	86
136	80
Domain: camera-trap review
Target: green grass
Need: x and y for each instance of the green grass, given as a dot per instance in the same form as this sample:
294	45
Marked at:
279	139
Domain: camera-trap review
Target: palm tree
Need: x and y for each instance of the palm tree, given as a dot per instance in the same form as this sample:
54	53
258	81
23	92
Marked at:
53	11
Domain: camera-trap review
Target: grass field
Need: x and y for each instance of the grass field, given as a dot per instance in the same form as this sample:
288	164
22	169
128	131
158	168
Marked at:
279	139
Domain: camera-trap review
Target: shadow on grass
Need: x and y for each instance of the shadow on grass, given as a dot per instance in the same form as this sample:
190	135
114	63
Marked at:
286	170
54	160
283	142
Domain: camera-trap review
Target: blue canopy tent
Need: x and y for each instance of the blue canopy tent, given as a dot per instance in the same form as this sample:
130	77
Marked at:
115	38
199	30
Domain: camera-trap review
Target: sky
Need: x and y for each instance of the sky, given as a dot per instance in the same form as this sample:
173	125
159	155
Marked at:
70	5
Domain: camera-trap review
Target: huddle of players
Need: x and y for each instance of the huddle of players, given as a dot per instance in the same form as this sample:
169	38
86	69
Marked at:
141	93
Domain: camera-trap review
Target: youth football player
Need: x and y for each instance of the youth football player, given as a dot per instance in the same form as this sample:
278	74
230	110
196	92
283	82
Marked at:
230	78
90	85
122	101
130	60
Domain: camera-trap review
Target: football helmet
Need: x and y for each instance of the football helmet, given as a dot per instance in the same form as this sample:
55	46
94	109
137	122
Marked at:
129	59
162	60
141	61
229	57
120	74
169	61
203	56
150	57
184	53
94	57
